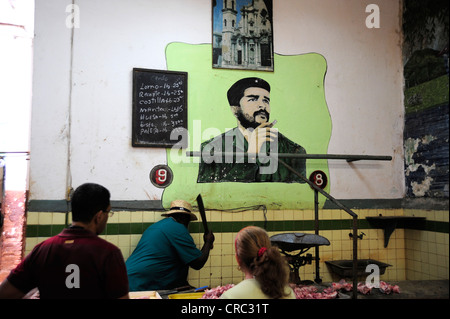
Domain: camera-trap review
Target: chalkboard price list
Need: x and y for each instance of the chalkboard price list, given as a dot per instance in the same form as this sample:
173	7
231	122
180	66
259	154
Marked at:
159	106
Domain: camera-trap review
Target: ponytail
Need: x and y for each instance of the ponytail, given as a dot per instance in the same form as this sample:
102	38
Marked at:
272	273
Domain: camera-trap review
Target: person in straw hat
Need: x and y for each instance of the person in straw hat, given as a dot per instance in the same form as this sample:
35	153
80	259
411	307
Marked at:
166	250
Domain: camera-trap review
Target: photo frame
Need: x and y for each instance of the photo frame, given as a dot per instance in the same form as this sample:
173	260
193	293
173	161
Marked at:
242	35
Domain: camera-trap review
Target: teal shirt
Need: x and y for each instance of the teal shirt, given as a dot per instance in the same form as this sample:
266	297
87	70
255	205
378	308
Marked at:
161	258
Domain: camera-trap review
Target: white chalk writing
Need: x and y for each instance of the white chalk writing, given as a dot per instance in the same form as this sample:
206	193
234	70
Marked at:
160	104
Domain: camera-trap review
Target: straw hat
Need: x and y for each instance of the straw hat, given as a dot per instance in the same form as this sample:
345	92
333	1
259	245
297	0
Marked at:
180	206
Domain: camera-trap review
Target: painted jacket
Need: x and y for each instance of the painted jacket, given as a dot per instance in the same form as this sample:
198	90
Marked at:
233	166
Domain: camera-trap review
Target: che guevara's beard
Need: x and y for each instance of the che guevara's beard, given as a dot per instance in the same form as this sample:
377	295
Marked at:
248	122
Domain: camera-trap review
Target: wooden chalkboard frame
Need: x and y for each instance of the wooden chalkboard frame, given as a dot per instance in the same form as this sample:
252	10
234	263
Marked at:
161	139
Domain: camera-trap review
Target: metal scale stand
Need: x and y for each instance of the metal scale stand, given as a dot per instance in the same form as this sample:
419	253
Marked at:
291	242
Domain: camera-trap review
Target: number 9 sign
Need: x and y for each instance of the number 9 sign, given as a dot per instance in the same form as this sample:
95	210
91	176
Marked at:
161	176
319	179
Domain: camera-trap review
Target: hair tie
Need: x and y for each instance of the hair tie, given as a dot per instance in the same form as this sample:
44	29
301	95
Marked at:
261	251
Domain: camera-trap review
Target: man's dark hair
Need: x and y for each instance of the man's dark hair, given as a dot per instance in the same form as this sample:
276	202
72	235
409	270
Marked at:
236	91
87	200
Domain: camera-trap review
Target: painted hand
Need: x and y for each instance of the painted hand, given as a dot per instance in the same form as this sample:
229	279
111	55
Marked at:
263	133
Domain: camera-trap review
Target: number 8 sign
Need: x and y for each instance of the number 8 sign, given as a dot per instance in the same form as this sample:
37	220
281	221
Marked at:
319	179
161	176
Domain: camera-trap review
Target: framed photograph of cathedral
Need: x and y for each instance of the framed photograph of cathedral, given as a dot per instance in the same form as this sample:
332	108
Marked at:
242	35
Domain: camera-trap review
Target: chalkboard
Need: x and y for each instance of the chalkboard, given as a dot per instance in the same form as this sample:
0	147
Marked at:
159	107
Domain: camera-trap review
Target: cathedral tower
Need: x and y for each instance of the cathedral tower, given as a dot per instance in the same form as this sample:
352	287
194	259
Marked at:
229	14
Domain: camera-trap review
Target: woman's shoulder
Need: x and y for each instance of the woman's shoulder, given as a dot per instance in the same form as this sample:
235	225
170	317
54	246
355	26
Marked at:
246	289
290	293
251	289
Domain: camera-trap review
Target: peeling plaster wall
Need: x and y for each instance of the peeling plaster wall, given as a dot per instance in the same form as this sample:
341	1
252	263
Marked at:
426	152
426	98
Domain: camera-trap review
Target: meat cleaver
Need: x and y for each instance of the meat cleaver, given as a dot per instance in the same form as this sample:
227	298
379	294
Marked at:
201	209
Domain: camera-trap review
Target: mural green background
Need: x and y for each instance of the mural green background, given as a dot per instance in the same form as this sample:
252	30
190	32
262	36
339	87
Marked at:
297	103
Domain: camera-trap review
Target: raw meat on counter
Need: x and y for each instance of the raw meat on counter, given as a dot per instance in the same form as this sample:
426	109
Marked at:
363	288
387	288
312	292
215	293
342	284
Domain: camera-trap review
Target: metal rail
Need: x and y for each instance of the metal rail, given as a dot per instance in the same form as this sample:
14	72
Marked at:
348	158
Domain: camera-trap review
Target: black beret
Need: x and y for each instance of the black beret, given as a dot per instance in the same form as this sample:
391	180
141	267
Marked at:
236	91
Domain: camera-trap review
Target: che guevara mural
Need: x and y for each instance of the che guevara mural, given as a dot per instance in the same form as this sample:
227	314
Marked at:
245	150
237	119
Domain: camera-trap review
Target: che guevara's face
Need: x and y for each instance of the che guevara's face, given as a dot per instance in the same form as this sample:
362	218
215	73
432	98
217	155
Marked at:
254	107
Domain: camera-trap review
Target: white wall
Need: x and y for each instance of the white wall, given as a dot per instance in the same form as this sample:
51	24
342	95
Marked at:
81	119
363	86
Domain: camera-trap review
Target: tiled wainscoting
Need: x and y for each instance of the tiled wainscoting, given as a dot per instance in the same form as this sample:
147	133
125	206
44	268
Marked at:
414	254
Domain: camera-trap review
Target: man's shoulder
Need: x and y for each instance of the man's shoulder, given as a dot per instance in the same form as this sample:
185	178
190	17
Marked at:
85	238
286	143
109	246
170	225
